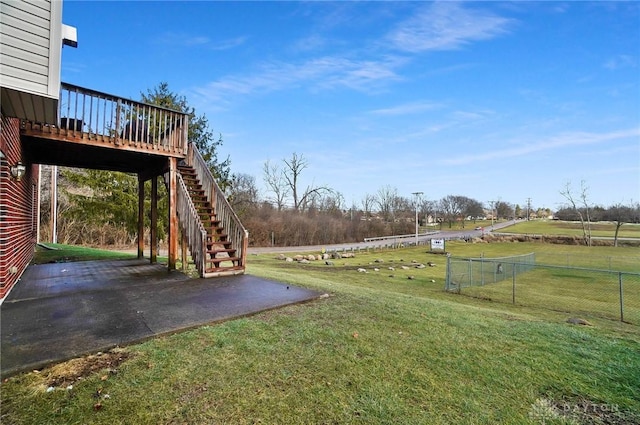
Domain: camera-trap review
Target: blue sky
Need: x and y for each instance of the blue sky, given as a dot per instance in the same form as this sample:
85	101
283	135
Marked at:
490	100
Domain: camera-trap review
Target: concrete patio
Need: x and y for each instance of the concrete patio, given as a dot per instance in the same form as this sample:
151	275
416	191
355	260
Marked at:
64	310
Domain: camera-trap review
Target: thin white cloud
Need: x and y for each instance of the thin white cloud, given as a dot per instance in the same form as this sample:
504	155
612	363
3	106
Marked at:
621	61
447	26
557	142
321	73
229	43
187	40
406	109
182	39
310	43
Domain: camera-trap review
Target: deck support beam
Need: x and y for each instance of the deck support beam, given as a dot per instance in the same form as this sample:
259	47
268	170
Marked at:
153	236
140	216
173	213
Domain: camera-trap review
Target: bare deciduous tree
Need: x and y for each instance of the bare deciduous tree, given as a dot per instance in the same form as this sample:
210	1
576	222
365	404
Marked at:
294	168
367	205
274	178
619	214
503	210
386	199
452	208
583	212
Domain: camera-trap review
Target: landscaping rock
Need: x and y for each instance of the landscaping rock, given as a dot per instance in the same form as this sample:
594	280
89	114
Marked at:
578	321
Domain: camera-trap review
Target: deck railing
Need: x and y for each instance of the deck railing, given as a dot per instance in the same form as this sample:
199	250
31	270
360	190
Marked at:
236	232
191	225
101	118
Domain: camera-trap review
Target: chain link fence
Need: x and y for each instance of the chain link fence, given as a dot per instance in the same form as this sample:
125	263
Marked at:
610	294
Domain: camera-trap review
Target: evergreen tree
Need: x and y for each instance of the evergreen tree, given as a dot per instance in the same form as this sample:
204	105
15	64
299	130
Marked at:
199	132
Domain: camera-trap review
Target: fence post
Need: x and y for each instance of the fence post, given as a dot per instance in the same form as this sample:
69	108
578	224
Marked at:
448	277
621	297
448	272
513	291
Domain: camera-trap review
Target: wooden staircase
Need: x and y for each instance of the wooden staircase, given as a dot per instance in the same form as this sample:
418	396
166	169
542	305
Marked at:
220	256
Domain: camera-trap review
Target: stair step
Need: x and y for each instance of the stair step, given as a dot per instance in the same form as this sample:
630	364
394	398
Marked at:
223	271
222	237
215	231
221	260
226	244
230	256
226	249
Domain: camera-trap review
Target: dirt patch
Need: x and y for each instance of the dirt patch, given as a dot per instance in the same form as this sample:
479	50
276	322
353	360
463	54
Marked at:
67	373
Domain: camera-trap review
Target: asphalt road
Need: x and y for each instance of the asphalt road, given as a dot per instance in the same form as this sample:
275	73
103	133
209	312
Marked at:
422	238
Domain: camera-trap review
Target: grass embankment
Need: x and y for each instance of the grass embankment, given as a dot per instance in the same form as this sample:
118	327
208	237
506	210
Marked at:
378	349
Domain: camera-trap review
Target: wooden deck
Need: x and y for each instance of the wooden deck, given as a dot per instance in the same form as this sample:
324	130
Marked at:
98	130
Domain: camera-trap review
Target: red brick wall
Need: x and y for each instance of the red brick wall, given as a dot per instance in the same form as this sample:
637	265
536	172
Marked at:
18	208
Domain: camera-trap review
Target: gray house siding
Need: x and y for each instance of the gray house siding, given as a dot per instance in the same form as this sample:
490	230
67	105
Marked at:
30	46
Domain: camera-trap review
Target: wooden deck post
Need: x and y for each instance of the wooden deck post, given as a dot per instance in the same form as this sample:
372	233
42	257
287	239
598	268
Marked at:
154	220
140	216
173	213
183	251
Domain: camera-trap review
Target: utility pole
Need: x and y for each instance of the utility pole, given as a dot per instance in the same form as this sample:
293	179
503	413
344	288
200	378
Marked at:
528	208
417	196
491	203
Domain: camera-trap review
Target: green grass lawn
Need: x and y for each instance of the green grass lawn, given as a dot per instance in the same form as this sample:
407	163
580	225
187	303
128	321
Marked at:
47	253
376	350
572	228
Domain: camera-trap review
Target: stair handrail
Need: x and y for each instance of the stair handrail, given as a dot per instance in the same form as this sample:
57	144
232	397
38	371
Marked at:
238	235
191	225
